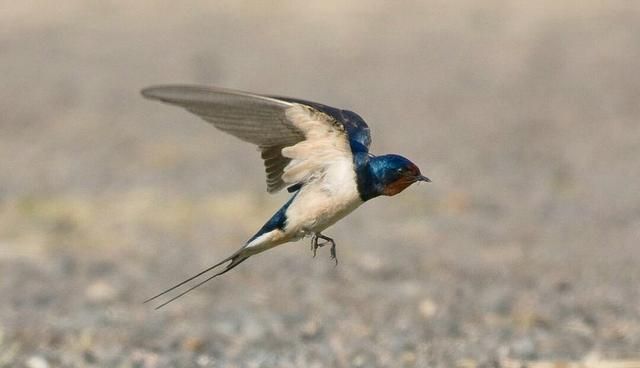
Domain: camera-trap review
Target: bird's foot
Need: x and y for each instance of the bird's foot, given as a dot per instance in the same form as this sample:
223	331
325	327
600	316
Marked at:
315	244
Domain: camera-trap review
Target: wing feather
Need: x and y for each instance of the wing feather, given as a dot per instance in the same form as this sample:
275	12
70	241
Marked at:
256	119
326	143
298	139
252	118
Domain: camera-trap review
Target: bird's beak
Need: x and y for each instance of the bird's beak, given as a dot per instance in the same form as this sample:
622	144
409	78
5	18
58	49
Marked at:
423	178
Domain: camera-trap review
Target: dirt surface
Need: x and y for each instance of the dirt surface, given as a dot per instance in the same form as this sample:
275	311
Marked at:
524	247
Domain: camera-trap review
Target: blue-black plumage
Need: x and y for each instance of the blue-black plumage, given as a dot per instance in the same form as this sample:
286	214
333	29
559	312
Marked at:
277	221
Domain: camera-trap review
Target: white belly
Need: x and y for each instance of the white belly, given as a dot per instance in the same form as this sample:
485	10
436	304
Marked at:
322	202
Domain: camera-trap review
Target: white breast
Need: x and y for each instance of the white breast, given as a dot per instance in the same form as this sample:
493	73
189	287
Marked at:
324	200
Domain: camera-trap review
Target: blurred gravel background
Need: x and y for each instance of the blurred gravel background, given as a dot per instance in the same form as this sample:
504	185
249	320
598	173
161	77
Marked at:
524	248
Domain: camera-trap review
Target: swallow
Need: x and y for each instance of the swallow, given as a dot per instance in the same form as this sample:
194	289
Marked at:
319	153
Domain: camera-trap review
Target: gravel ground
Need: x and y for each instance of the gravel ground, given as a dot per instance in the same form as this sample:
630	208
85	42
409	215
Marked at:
524	247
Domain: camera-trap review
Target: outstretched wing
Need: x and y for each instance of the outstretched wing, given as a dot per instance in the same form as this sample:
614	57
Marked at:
273	124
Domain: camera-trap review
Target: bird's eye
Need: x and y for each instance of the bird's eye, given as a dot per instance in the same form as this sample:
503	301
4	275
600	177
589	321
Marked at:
401	170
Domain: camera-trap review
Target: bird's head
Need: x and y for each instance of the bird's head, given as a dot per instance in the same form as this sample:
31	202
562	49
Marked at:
395	173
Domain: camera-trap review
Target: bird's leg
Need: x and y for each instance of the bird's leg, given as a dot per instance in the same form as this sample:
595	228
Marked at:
315	245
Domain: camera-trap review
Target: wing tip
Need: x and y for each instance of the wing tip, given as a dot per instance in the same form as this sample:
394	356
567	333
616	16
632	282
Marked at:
149	92
185	91
180	94
166	92
176	93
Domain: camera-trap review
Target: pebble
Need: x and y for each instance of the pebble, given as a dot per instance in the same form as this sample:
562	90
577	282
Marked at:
37	362
408	358
100	291
193	344
524	348
310	329
358	360
427	308
204	360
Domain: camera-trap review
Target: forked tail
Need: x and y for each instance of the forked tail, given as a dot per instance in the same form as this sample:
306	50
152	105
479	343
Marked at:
235	259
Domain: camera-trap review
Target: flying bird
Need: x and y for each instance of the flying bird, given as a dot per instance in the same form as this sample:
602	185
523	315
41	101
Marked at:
319	153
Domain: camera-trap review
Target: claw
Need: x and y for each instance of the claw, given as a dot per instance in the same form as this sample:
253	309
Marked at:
314	244
334	256
327	240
